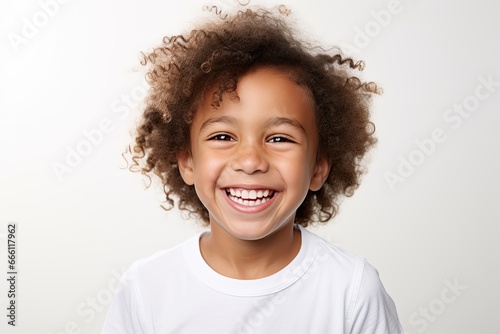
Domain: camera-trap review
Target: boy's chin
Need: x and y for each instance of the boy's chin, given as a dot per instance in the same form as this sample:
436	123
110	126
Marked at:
251	231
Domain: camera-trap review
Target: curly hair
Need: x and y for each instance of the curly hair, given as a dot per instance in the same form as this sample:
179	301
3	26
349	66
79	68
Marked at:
184	67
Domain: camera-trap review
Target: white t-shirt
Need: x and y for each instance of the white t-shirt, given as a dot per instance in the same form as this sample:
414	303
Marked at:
323	290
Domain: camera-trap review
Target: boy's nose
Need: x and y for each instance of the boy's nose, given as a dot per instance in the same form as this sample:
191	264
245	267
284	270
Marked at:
249	159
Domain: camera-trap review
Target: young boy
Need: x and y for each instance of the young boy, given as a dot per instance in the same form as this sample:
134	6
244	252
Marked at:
256	135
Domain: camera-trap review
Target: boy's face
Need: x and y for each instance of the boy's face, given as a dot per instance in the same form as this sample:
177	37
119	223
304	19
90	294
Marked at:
253	159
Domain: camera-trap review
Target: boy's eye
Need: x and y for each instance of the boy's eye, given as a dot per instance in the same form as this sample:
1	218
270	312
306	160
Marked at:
221	137
280	139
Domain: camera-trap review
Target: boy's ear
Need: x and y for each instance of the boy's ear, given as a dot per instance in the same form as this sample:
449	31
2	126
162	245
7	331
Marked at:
185	164
321	171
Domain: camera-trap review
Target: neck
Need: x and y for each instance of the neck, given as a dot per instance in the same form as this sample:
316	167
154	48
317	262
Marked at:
250	259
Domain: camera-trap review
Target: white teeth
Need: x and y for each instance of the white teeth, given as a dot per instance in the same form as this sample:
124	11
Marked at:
249	198
248	202
249	194
244	193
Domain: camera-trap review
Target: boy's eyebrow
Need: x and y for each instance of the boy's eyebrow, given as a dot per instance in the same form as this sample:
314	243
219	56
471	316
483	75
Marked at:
219	119
287	121
273	122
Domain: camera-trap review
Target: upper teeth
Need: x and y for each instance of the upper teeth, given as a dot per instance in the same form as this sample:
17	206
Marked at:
249	194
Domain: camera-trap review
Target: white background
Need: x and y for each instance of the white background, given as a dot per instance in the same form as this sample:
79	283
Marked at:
436	226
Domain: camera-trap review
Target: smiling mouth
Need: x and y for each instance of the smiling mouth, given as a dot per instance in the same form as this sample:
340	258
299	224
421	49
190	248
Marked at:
249	197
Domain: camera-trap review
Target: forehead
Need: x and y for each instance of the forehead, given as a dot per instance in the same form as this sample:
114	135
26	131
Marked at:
270	88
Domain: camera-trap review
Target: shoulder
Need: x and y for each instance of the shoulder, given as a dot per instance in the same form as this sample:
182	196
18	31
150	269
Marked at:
333	258
159	266
369	309
373	310
349	268
142	286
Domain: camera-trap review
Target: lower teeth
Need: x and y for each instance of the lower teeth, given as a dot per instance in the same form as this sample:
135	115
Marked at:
249	202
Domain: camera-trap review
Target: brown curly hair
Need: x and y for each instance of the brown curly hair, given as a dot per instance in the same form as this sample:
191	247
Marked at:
184	67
